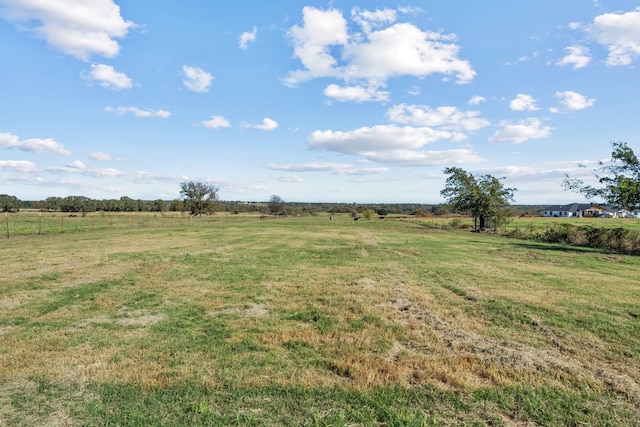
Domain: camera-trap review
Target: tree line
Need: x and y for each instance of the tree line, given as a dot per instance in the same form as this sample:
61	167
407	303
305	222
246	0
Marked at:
484	197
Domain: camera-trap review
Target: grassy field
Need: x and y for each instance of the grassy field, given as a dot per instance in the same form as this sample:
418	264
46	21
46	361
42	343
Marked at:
307	321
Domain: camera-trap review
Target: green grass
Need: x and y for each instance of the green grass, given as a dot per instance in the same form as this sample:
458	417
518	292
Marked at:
306	321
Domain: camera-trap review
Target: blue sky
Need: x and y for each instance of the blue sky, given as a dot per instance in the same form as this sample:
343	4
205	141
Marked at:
313	101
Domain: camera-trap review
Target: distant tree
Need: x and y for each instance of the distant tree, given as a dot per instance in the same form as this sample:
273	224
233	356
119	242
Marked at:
53	203
276	205
176	205
199	197
618	179
483	196
76	204
9	203
382	212
158	205
368	214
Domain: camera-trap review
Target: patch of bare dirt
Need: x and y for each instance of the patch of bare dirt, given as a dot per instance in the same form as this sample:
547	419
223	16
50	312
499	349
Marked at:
140	318
249	310
255	310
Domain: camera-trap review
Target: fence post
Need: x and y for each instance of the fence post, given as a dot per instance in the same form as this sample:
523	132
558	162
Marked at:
39	223
6	219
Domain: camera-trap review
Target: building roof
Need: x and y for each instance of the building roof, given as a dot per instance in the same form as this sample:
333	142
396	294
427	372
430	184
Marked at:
572	207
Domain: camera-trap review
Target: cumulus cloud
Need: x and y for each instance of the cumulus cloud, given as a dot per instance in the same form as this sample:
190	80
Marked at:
446	118
216	122
574	101
368	19
24	166
620	34
108	77
76	164
247	37
577	56
366	140
80	29
355	93
404	145
372	57
521	131
477	99
523	103
137	112
266	125
38	145
196	79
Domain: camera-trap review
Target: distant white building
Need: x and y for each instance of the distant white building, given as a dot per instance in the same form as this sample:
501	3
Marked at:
576	210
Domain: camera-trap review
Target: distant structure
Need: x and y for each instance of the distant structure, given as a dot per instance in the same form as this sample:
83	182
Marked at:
587	210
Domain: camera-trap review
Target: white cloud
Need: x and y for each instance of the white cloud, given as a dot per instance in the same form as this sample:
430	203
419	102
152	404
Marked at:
310	167
404	49
24	166
76	164
313	40
216	122
373	19
355	93
578	56
77	28
100	156
336	168
370	59
266	125
521	131
38	145
392	144
426	158
71	169
196	79
137	112
523	103
366	140
289	178
620	34
108	77
574	100
477	99
445	118
247	37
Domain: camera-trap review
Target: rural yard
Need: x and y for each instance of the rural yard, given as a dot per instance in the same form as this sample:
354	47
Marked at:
307	321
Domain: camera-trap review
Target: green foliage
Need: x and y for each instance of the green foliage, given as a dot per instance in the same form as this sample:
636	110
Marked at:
618	179
199	197
368	214
9	203
616	239
276	205
484	196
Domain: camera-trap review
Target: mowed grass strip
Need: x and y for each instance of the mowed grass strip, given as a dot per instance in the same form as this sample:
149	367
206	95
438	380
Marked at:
311	321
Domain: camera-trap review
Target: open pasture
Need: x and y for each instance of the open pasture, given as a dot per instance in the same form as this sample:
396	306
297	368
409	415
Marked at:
307	321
